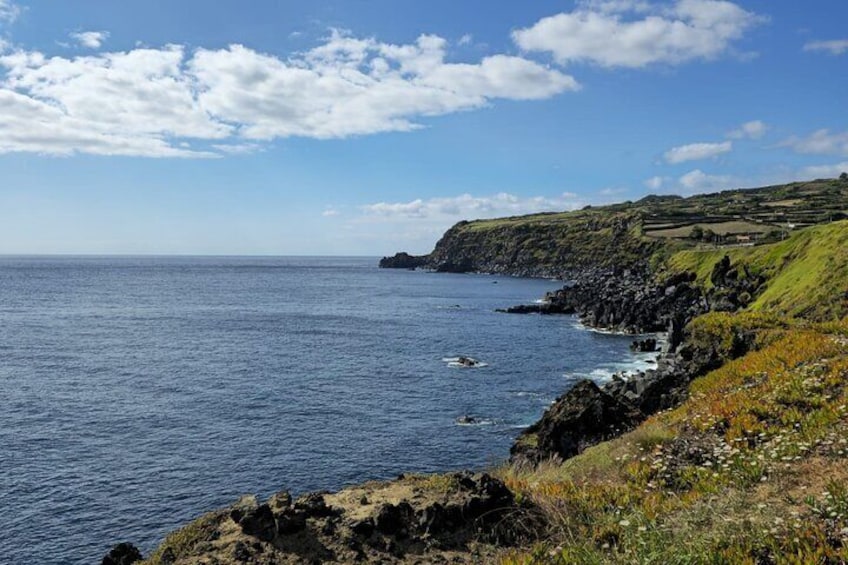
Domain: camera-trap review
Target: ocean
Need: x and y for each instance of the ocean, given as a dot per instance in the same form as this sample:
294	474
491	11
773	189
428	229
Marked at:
139	392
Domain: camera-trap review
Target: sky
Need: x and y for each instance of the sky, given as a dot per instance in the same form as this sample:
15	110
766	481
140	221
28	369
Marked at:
365	127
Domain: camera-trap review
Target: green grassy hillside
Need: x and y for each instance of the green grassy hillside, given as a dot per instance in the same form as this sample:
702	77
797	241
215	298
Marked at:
751	469
807	273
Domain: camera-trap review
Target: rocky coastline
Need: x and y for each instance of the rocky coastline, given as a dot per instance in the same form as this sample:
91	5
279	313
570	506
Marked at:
633	301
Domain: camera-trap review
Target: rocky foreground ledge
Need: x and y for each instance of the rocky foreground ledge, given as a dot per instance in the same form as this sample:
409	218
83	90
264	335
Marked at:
453	518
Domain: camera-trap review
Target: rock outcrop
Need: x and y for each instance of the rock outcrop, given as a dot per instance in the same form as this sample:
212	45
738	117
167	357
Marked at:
122	554
448	518
633	301
582	417
404	260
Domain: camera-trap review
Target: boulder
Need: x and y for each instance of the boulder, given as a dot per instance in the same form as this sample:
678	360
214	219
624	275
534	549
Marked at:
647	345
122	554
255	519
582	417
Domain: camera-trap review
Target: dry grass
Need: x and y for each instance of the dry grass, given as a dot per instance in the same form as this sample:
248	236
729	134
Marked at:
751	469
720	228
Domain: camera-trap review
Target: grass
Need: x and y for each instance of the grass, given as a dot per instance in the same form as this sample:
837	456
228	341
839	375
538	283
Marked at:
806	273
720	479
184	540
721	228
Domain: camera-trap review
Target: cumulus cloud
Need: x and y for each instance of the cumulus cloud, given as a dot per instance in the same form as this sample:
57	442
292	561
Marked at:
150	102
749	130
630	33
825	171
832	47
467	206
699	181
90	39
9	11
655	183
820	142
330	212
697	151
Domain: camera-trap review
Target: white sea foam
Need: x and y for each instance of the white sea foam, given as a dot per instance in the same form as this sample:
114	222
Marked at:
634	363
477	422
528	393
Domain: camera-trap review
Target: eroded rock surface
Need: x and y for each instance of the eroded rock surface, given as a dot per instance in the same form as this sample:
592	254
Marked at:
454	518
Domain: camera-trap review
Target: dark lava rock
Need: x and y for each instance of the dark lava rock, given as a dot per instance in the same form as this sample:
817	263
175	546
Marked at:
584	416
363	528
241	553
122	554
393	518
647	345
403	260
290	521
313	505
254	519
280	501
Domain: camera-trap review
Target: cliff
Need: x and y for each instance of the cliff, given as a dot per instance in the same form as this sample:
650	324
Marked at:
634	233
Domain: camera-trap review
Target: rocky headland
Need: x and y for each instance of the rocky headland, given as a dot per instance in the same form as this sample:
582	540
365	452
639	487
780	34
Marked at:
702	459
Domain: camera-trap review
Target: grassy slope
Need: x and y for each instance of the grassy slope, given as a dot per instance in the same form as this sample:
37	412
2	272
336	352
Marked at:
808	272
752	468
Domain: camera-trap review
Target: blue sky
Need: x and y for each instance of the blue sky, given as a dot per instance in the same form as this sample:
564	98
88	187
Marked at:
369	126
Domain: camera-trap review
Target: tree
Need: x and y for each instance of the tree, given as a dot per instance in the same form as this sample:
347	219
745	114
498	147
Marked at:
843	177
697	233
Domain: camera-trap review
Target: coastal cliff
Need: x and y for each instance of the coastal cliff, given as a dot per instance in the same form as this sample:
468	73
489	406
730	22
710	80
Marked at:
732	450
639	234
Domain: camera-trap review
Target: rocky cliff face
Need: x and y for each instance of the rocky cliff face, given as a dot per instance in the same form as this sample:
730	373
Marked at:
551	246
635	301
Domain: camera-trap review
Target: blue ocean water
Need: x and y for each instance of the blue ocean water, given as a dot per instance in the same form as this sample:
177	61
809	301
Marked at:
138	393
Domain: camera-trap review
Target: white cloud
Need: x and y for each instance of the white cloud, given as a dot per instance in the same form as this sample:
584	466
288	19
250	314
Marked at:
147	101
820	142
697	151
605	32
238	148
699	181
467	206
330	212
353	87
825	171
655	183
832	47
90	39
749	130
9	11
466	39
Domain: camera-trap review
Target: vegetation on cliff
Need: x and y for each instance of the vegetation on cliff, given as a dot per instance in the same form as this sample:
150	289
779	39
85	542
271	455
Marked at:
635	233
806	273
750	469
